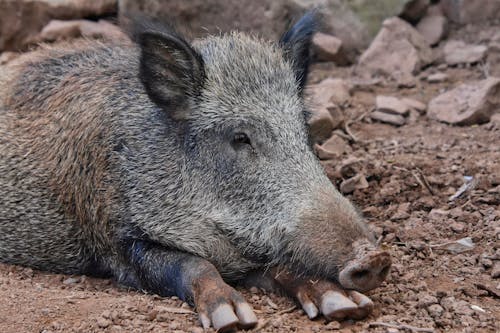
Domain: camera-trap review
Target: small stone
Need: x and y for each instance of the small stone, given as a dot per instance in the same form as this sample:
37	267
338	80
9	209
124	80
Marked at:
433	28
103	322
398	51
393	119
71	280
333	147
320	125
426	300
458	52
437	78
333	326
435	310
414	104
457	227
468	104
390	104
330	90
495	271
328	48
357	182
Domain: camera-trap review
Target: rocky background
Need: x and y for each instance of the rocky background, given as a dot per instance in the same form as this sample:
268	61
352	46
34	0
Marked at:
406	120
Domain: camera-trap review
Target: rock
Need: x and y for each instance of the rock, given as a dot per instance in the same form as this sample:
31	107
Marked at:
333	147
495	271
393	105
357	182
457	227
321	124
103	322
437	78
435	310
426	300
393	119
468	104
22	20
458	52
414	104
326	47
328	91
414	10
468	11
398	51
433	28
59	30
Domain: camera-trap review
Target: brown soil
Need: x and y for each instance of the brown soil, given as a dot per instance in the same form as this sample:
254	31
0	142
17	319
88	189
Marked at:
429	287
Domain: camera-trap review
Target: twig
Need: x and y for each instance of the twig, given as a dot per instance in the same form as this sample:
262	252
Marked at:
402	327
422	180
287	310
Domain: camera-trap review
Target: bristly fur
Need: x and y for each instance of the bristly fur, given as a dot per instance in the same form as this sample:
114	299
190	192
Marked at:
122	159
297	44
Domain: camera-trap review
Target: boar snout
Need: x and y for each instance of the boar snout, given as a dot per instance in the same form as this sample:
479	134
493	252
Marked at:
366	272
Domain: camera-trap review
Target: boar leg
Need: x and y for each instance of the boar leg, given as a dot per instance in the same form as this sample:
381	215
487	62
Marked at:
315	297
192	279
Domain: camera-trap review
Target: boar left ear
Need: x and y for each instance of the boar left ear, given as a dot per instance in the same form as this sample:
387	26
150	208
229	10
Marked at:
296	42
170	69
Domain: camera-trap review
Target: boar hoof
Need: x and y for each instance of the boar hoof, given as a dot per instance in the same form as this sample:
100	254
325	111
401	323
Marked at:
222	307
334	303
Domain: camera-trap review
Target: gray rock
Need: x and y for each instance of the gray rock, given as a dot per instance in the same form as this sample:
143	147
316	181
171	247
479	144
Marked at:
58	30
393	119
458	52
437	77
329	48
467	104
469	11
321	124
495	271
390	104
398	51
433	28
22	20
332	148
358	182
414	104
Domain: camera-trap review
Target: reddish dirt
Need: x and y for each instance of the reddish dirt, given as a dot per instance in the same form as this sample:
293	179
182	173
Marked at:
429	287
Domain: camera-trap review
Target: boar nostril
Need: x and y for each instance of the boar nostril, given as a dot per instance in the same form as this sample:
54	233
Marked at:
361	274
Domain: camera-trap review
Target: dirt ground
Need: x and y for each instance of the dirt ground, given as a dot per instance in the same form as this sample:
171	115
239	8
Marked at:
430	287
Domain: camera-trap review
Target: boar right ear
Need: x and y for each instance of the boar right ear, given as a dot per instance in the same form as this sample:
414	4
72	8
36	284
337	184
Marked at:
171	70
296	43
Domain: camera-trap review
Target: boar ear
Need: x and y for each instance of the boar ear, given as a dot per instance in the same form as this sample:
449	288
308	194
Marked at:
296	42
171	70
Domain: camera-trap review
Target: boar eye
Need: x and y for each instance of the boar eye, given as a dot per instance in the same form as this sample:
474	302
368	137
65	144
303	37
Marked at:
240	139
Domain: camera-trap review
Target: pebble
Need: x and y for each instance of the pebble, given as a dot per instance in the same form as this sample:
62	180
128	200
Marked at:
393	119
435	310
437	78
103	322
495	271
457	227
